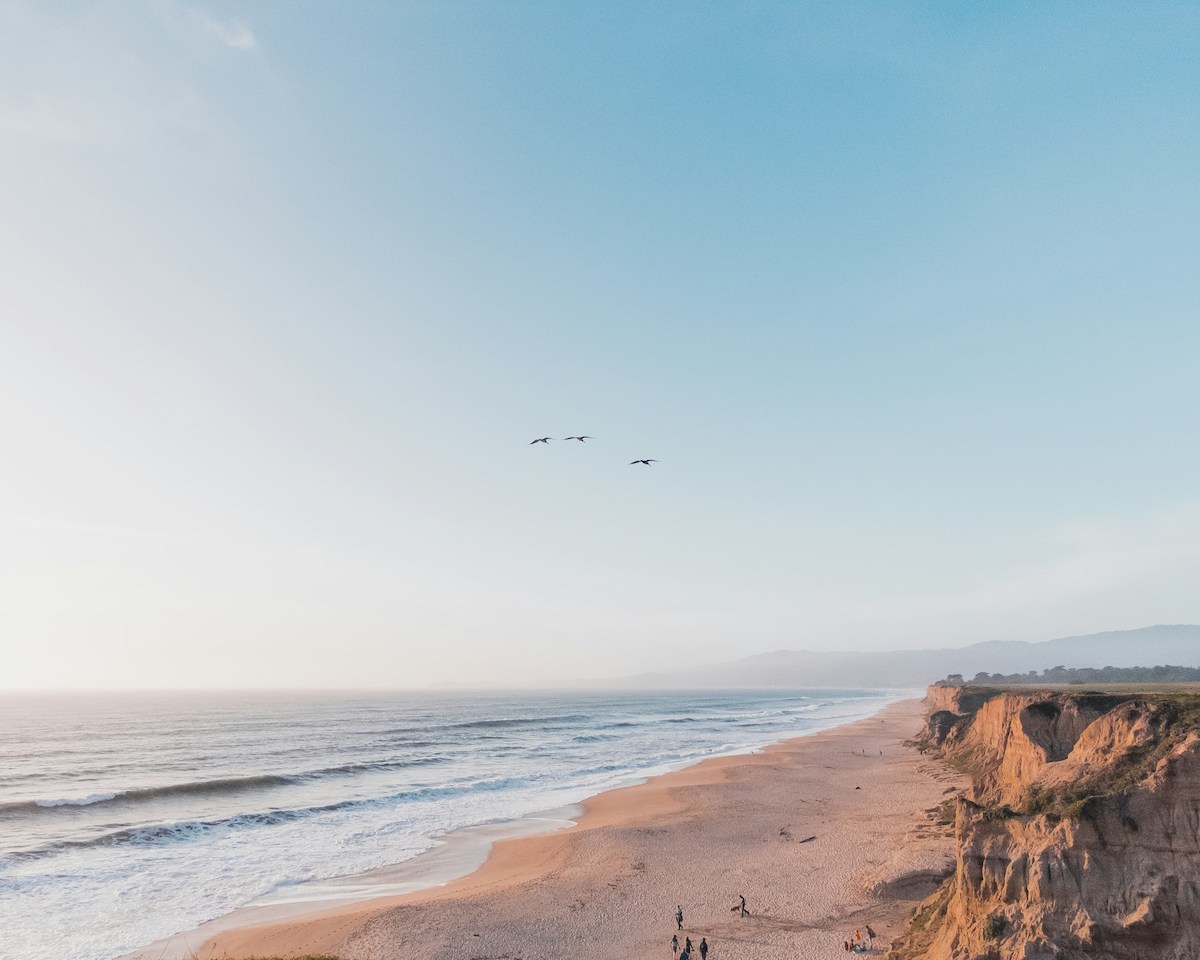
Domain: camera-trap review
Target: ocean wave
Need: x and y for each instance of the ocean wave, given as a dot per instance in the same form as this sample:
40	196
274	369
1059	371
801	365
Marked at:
370	766
221	786
516	722
74	801
655	722
601	768
164	834
397	737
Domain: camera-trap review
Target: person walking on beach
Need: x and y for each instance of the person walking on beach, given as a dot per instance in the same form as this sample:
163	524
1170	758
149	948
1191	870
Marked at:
687	946
703	949
679	918
744	911
674	944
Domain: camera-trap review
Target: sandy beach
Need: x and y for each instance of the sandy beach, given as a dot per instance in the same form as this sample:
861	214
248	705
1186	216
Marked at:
822	835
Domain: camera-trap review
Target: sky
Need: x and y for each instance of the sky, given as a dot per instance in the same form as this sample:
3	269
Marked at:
902	297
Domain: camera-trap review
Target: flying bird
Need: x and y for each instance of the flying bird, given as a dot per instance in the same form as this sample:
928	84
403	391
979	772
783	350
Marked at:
646	462
540	440
582	439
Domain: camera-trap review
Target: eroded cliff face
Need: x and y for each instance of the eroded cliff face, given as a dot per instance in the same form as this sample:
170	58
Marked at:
1080	836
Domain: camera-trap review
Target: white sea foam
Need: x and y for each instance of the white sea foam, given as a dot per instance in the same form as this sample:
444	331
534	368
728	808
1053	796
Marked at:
75	801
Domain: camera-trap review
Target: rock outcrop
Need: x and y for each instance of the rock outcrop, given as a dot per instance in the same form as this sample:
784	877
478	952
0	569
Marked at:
1080	835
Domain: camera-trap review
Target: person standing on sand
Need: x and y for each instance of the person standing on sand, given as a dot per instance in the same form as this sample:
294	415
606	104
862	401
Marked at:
703	949
679	918
745	912
674	944
687	946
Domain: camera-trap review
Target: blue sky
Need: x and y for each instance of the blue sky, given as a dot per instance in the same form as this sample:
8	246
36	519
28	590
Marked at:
902	296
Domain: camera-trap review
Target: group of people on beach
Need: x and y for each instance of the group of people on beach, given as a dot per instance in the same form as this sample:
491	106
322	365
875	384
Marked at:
858	943
687	947
739	907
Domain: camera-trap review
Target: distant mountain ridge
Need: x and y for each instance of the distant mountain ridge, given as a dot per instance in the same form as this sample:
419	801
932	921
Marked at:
1175	644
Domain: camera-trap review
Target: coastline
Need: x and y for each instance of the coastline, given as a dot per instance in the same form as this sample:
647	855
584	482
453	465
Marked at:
629	849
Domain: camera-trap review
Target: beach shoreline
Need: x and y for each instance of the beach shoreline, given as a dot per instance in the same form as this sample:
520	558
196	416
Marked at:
619	858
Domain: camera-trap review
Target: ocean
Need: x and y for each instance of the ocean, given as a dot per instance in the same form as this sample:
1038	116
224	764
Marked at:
126	818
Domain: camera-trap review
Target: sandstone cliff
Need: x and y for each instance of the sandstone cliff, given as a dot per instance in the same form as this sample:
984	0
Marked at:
1080	835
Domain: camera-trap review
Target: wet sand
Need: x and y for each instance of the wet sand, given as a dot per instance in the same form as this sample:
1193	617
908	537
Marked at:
696	838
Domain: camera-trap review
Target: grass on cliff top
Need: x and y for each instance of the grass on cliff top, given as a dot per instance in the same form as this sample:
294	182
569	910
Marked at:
1074	689
1174	715
1174	710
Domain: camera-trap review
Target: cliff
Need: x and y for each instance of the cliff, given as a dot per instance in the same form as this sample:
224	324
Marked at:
1080	834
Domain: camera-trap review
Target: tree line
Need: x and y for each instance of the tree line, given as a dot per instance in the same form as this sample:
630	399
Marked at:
1061	674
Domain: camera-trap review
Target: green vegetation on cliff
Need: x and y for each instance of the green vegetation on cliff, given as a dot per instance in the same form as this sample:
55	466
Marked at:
1157	721
1078	675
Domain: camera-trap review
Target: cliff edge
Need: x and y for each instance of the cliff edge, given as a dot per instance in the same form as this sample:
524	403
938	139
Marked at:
1080	834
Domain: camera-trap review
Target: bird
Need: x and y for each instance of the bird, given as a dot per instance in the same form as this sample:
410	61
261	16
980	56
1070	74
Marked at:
582	439
540	440
646	462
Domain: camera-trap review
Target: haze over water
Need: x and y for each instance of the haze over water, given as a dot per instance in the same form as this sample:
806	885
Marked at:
125	819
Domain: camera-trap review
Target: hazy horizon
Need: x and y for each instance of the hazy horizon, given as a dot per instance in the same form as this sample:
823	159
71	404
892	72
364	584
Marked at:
901	299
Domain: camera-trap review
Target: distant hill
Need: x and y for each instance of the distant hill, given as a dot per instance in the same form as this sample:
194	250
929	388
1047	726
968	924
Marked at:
1145	647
